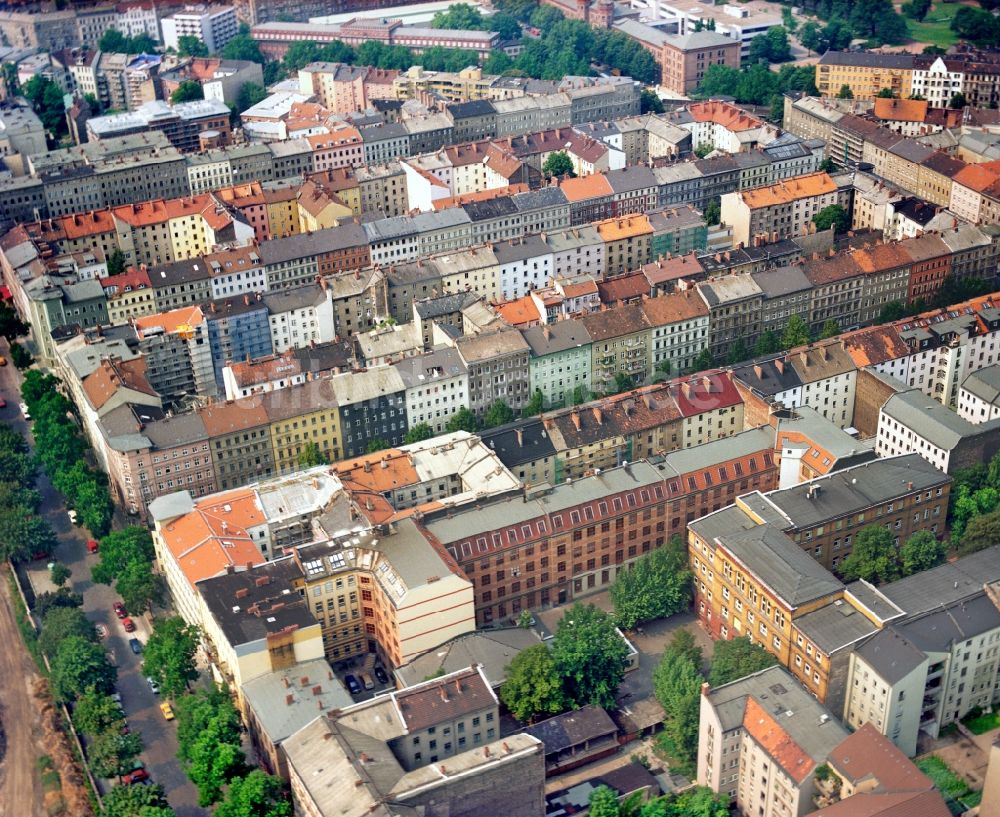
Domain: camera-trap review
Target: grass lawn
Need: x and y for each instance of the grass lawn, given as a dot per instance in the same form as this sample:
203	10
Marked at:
983	723
935	29
941	774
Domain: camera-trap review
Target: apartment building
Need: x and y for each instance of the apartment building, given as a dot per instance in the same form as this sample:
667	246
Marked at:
300	415
343	88
865	73
178	355
979	396
939	658
188	125
559	365
620	346
627	243
779	211
553	545
213	25
497	362
734	311
437	387
679	330
761	741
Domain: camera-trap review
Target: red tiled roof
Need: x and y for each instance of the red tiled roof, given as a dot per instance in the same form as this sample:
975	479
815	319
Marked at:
763	728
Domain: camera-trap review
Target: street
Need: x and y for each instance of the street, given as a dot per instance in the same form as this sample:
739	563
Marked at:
141	706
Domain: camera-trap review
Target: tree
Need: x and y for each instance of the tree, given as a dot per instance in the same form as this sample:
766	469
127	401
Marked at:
534	688
112	753
700	801
23	534
828	165
418	433
834	216
59	624
713	213
169	655
767	344
63	597
558	163
462	420
604	802
982	532
136	801
201	710
703	149
118	549
916	9
957	101
187	91
738	352
590	655
498	414
375	445
536	405
462	17
116	262
831	328
250	94
921	551
258	794
188	46
46	99
737	658
140	587
845	92
649	102
796	333
299	55
703	362
213	764
243	47
977	25
22	357
11	326
873	557
657	586
892	311
886	93
811	36
311	456
677	686
622	383
78	665
94	713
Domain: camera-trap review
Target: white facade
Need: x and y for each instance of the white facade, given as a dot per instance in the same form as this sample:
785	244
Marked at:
436	399
679	343
239	282
138	18
894	438
937	84
299	327
213	25
518	278
976	410
576	251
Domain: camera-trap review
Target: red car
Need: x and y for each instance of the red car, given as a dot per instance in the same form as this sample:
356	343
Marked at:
92	546
119	609
135	776
128	624
3	403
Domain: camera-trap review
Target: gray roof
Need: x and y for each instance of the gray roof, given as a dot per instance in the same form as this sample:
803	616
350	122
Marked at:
446	304
700	39
630	179
519	249
181	429
835	626
490	345
539	199
305	245
295	298
733	447
368	384
781	281
945	583
423	369
891	655
867	59
467	110
179	272
310	686
985	384
729	289
771	380
931	420
851	490
513	450
556	337
492	650
775	690
825	434
939	629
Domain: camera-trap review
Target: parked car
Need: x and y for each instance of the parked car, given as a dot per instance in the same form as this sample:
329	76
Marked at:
381	675
24	410
367	681
92	546
153	686
135	645
135	776
167	710
116	697
119	609
3	361
352	684
3	403
128	624
72	515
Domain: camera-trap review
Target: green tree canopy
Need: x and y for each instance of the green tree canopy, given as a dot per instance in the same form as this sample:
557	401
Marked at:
873	557
558	163
462	420
534	688
796	333
136	801
250	94
169	655
713	213
418	433
657	586
243	47
845	92
649	102
737	658
94	713
768	343
311	455
112	753
983	531
118	549
604	802
590	655
833	216
375	445
498	414
46	99
188	46
80	664
831	328
677	684
922	551
187	91
59	624
258	794
140	587
535	406
24	534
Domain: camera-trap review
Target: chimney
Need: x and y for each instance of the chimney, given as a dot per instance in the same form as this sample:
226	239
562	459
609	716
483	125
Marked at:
575	417
779	364
289	699
519	432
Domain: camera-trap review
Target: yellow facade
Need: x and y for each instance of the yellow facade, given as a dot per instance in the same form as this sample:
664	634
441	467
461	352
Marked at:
331	215
865	82
289	437
283	217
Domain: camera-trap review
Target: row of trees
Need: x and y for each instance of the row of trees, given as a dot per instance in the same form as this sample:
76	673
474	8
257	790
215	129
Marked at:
977	25
23	533
658	585
677	684
876	558
873	20
210	750
953	291
796	333
62	451
464	17
125	560
758	85
699	801
585	665
974	508
772	46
